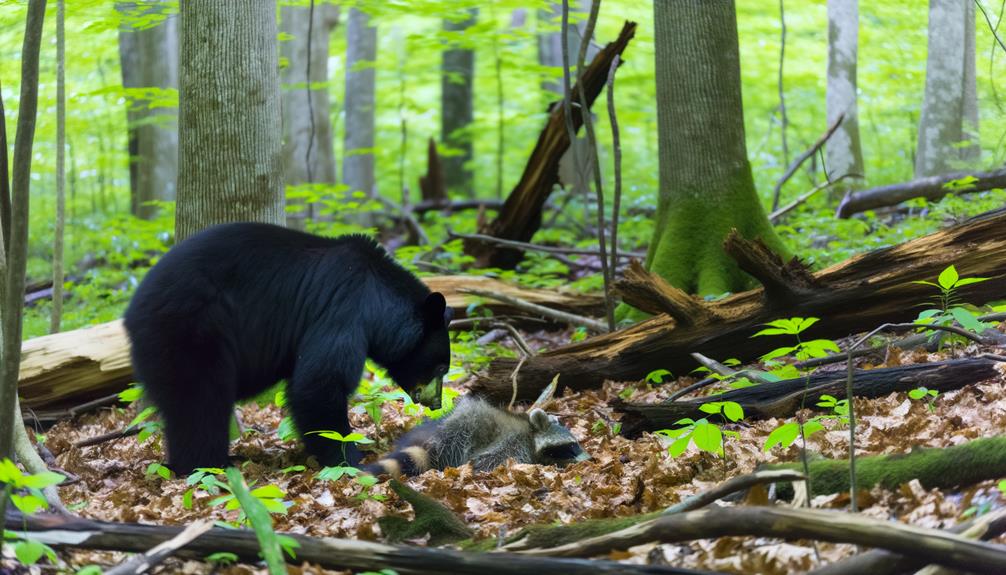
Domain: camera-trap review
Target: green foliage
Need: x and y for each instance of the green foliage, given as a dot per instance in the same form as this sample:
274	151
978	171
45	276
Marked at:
222	558
949	308
657	376
705	435
929	395
159	470
255	507
13	479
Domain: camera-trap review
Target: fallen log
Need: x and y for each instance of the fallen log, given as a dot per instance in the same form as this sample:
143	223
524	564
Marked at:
66	369
520	216
935	546
782	399
931	188
329	553
851	297
935	468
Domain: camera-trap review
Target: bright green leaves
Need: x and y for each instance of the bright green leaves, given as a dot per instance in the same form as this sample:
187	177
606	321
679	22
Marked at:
705	435
948	310
348	438
791	326
16	479
784	436
657	376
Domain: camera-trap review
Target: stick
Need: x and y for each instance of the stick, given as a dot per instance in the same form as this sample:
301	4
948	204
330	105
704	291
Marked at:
776	214
733	485
930	544
550	313
793	167
616	144
536	247
113	435
143	562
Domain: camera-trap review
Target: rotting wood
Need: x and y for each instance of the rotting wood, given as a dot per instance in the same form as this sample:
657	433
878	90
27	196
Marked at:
520	216
652	294
784	398
931	188
67	369
784	284
854	296
326	552
431	184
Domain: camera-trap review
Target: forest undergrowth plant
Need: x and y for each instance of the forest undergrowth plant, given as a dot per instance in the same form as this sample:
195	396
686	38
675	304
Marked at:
787	433
923	393
24	491
949	307
256	506
703	433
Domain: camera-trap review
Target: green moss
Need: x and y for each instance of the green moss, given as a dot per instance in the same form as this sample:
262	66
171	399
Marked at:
431	517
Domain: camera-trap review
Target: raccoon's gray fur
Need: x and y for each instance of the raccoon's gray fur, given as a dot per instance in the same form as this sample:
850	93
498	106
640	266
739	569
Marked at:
484	435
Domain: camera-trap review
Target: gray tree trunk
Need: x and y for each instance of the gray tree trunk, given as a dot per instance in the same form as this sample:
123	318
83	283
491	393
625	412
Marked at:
308	148
948	125
457	113
844	152
149	59
361	53
231	155
706	184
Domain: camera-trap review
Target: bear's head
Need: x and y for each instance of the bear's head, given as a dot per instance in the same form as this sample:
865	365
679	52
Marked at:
421	371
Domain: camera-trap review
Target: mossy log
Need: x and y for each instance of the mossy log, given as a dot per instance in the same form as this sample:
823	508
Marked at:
520	216
851	297
784	398
935	468
432	518
327	552
67	369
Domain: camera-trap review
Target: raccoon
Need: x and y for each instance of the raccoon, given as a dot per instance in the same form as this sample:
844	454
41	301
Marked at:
484	435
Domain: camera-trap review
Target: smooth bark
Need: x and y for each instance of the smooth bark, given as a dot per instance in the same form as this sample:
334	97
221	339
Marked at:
844	151
361	55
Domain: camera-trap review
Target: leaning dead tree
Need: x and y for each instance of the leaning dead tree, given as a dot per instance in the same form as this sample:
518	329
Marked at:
520	216
850	297
931	188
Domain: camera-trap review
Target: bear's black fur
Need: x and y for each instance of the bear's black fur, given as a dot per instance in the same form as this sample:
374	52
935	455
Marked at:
235	308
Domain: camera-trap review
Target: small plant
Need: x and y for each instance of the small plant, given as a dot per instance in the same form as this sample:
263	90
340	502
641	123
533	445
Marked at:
156	468
256	506
657	376
949	308
202	479
222	558
706	436
345	440
27	550
363	479
929	395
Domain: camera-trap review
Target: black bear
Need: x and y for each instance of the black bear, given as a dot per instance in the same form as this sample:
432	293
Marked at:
237	307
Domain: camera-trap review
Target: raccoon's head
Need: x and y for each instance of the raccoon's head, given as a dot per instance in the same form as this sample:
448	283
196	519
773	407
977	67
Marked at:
553	443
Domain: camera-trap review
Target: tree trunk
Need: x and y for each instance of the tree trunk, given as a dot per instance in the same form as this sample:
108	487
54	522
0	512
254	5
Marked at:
845	155
308	155
456	112
231	155
361	55
853	296
149	59
948	125
706	185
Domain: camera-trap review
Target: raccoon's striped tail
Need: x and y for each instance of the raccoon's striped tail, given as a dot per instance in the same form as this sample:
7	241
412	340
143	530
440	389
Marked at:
412	460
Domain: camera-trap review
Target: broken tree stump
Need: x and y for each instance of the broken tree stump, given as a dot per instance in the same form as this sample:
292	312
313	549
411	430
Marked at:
850	297
66	369
520	216
783	398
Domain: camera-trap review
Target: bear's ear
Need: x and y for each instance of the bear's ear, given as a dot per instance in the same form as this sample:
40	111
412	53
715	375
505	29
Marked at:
435	310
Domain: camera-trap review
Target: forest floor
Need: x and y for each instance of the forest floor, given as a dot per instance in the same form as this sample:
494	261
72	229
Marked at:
623	477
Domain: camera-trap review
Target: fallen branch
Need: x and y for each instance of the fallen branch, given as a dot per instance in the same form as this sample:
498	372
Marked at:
106	437
931	188
784	398
456	205
734	485
537	247
935	468
796	163
802	198
328	553
525	305
143	562
930	544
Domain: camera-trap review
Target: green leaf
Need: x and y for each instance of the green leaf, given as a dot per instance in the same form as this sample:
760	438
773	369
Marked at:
733	410
679	446
29	551
918	393
336	473
187	498
778	352
772	331
924	282
948	277
968	281
42	480
812	427
28	504
270	491
968	320
708	437
657	375
9	473
805	323
713	407
784	436
274	506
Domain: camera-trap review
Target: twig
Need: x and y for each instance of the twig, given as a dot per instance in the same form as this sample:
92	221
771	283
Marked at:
550	313
143	562
616	145
991	27
537	247
105	437
406	214
513	380
783	116
733	485
703	383
776	214
793	167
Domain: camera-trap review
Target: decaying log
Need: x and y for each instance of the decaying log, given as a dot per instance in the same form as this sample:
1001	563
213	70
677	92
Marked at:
66	369
652	294
933	545
520	216
784	284
326	552
935	468
782	399
931	188
851	297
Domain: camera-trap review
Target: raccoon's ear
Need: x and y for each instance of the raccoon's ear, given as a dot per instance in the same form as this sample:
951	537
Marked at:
539	419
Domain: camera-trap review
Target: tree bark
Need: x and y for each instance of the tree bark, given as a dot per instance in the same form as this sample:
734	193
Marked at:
844	152
706	184
931	188
308	155
456	110
520	216
361	56
948	125
853	296
149	59
231	155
